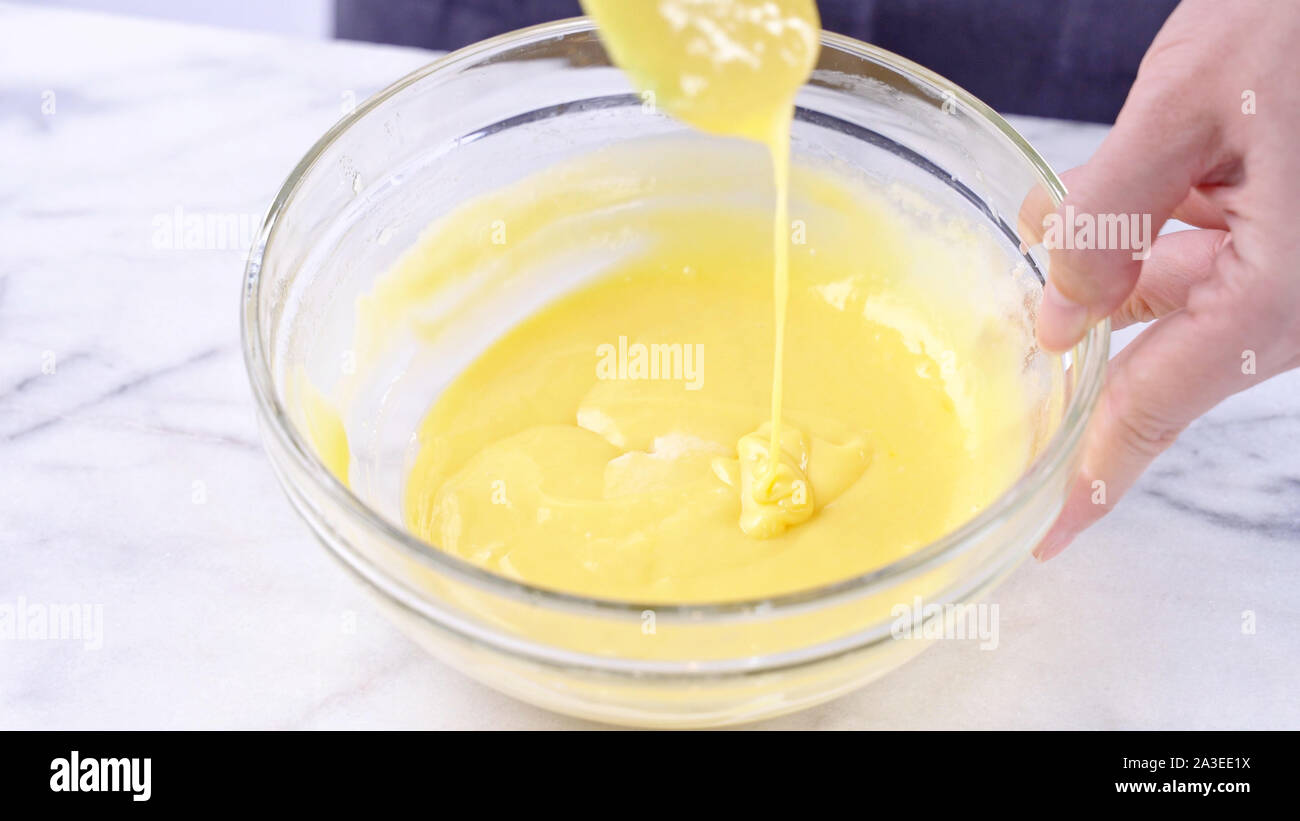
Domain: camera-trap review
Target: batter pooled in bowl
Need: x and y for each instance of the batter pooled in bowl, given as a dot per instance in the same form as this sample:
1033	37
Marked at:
732	403
598	447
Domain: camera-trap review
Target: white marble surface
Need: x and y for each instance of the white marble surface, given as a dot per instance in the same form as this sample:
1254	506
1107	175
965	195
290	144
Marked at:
131	476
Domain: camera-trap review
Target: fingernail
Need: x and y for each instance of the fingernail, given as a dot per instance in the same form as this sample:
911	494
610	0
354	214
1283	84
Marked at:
1061	322
1053	544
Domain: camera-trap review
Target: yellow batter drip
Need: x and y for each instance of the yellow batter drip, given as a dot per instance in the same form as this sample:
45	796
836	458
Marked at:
607	444
733	67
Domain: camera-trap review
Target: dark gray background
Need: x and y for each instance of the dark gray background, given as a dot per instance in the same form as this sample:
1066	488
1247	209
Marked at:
1054	58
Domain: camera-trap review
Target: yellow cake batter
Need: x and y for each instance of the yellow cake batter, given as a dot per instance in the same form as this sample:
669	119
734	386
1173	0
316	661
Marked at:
655	435
533	465
733	67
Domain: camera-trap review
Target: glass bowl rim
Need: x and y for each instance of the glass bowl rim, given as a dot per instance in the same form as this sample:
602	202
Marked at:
1090	369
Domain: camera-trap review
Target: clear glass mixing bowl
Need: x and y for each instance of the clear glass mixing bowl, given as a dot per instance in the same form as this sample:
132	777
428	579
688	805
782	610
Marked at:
495	112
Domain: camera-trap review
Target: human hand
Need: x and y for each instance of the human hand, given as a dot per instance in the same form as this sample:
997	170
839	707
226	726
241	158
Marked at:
1210	135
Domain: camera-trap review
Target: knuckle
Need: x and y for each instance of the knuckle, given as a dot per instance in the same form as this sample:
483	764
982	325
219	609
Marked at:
1145	433
1139	429
1136	309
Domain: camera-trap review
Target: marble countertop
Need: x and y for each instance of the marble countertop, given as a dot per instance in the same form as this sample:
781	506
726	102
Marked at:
132	483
